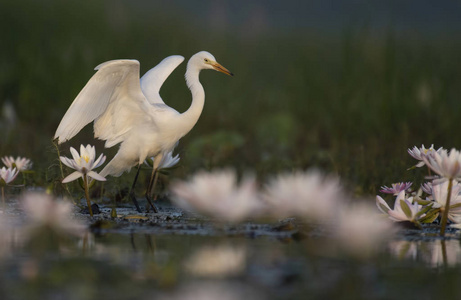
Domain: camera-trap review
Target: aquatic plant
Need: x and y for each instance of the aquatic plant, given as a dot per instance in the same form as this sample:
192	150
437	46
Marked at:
304	194
396	188
42	210
20	163
167	161
443	190
7	175
419	153
448	166
405	209
84	163
217	194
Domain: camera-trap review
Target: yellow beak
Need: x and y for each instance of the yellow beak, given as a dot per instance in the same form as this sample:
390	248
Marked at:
221	69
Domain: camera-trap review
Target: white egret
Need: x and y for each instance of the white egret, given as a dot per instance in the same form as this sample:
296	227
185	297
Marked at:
129	111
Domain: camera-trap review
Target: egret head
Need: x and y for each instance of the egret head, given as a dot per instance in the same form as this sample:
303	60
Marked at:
205	60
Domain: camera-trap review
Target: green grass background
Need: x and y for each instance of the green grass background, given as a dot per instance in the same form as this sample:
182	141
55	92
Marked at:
349	102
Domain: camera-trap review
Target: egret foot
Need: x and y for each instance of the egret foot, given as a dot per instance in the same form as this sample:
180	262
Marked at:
135	201
152	205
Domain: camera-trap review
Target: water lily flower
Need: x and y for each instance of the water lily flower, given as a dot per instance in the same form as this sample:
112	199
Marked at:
305	194
7	175
396	188
43	211
404	209
447	165
427	187
84	163
440	192
419	153
217	194
168	161
20	163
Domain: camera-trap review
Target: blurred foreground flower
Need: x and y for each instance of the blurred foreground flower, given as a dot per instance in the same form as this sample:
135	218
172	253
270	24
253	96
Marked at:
360	231
304	194
214	262
396	188
6	177
419	153
216	194
404	209
84	163
20	163
43	211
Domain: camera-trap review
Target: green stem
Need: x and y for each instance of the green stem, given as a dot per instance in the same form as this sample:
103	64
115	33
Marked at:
87	194
447	207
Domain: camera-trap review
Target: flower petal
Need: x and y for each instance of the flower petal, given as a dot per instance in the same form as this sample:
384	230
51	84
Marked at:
96	176
74	176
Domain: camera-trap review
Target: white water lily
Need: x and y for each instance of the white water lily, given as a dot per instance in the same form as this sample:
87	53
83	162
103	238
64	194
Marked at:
404	209
304	194
447	165
419	153
168	161
217	194
43	211
84	163
7	175
20	163
439	194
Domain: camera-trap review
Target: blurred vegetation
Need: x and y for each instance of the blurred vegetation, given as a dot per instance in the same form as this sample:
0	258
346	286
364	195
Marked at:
348	103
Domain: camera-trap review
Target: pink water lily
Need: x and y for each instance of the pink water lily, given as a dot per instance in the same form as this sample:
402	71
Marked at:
84	163
396	188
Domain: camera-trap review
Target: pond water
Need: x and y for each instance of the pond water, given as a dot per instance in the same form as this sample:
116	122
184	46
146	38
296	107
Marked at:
175	257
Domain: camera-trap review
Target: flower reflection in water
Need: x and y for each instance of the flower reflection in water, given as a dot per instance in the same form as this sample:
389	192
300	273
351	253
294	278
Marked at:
437	253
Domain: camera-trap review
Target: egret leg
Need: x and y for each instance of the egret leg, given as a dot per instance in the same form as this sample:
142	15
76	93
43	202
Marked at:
149	188
153	179
132	195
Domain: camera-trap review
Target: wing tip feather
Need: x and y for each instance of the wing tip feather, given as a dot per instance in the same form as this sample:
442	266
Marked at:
115	61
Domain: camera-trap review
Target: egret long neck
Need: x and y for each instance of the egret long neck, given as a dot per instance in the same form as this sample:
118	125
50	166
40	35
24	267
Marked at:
191	116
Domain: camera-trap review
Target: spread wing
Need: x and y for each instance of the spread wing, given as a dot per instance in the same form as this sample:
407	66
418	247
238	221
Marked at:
153	80
114	88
